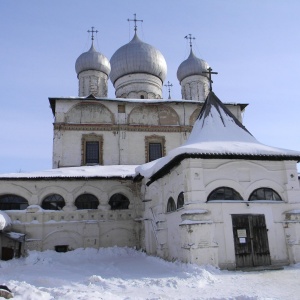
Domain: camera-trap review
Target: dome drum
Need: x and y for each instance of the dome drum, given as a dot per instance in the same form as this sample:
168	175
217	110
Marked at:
141	86
195	87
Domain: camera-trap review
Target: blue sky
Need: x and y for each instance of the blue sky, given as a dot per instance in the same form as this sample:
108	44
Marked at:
254	45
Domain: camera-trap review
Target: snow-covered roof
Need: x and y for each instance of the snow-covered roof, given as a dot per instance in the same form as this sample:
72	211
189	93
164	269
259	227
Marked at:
97	172
217	133
52	101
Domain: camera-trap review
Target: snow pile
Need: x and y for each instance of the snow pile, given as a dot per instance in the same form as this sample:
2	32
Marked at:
122	273
4	220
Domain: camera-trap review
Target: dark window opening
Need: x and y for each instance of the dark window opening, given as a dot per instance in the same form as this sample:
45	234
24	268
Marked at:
155	151
61	248
224	193
142	97
118	201
92	152
180	200
86	201
265	194
171	206
12	202
53	202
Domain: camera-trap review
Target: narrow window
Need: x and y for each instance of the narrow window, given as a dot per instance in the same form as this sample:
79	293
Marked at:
180	200
264	194
92	152
171	206
155	151
118	201
86	201
12	202
224	193
53	202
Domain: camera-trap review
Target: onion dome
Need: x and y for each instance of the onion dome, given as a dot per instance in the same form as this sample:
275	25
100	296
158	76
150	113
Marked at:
137	57
92	60
192	66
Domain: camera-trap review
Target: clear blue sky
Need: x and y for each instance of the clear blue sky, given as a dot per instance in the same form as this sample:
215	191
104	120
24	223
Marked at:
254	45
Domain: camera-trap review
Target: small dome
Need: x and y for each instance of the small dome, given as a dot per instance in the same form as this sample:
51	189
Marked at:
192	66
137	57
92	60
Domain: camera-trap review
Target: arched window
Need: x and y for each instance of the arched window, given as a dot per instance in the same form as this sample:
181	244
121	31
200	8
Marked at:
224	193
171	206
53	202
118	201
12	202
180	200
86	201
264	194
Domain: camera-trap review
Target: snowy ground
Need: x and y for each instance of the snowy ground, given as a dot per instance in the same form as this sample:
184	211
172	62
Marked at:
121	273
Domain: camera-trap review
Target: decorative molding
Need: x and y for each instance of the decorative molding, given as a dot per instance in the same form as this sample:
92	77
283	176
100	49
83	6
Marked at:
91	138
123	127
154	139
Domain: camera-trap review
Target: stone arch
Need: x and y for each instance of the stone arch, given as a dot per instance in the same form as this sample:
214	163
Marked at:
195	115
19	191
89	113
153	114
115	189
52	190
224	182
72	239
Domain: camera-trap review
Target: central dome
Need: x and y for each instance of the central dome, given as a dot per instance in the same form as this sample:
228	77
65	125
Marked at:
137	57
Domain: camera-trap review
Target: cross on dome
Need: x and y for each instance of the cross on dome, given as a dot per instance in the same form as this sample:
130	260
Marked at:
92	31
169	85
209	72
134	20
189	37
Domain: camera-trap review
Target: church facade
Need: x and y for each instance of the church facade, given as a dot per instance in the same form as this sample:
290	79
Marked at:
181	179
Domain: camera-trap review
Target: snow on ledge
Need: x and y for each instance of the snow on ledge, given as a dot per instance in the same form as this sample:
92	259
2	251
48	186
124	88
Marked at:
121	171
191	222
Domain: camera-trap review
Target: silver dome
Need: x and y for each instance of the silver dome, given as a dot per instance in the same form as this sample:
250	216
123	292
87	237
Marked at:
137	57
92	60
192	66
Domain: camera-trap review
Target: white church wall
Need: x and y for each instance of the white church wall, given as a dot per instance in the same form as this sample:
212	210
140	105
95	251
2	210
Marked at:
101	227
202	231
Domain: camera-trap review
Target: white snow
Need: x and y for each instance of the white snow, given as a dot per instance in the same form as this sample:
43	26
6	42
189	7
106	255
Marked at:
4	220
122	273
84	172
217	133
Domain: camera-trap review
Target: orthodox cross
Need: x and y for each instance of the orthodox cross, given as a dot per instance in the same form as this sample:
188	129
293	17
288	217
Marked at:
209	72
92	31
169	85
134	20
189	37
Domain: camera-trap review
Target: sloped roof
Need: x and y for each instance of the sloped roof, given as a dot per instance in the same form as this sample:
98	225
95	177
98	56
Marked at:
217	133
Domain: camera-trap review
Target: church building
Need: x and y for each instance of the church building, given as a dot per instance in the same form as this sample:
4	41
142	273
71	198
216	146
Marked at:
181	179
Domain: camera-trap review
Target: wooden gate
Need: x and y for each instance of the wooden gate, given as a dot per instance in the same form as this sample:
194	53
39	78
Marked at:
250	240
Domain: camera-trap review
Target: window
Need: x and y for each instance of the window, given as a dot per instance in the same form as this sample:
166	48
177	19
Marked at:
92	149
154	151
154	147
92	153
171	206
180	200
53	202
61	248
12	202
118	201
264	194
224	193
86	201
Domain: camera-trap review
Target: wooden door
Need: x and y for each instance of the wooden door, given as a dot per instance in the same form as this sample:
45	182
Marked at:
250	240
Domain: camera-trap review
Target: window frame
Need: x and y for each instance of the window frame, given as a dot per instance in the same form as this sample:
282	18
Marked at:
9	205
226	188
84	206
180	200
86	138
47	201
154	139
265	189
171	205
